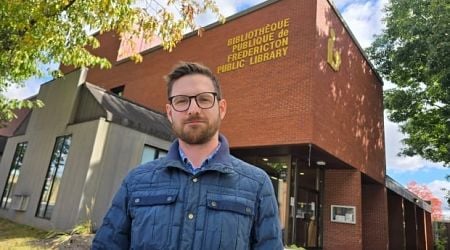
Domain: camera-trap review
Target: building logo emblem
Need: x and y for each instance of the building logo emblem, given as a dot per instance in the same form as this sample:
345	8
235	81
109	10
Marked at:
333	55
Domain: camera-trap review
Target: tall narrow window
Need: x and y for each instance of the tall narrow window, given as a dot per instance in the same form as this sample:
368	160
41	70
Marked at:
13	175
151	153
53	179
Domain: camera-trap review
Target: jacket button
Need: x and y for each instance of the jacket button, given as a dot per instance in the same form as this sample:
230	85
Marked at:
195	180
169	198
137	200
248	210
213	204
190	216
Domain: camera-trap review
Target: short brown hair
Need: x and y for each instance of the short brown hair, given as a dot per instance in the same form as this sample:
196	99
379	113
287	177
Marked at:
191	68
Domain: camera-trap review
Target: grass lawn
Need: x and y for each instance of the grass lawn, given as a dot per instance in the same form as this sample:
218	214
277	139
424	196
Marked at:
15	236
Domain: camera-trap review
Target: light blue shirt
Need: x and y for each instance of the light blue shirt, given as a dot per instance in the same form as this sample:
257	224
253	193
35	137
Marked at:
189	166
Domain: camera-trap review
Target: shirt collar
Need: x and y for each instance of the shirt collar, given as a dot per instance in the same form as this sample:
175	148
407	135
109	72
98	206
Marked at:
188	165
220	160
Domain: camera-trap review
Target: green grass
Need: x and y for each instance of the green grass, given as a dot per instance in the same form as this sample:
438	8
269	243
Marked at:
15	236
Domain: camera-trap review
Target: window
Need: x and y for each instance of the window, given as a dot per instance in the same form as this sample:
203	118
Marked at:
53	178
343	214
118	90
151	153
13	175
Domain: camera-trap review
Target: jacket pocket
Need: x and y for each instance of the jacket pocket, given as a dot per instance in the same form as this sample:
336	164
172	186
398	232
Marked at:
229	219
152	214
156	199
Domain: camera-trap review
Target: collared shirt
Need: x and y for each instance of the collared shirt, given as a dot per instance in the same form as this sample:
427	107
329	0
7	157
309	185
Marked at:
189	166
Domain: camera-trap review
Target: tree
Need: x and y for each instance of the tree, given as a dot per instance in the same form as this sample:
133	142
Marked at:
425	194
39	32
413	52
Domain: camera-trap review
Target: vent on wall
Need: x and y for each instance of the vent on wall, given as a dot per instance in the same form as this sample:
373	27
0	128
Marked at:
20	202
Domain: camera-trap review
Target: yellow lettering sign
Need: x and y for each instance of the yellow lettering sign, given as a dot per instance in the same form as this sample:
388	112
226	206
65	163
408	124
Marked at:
262	44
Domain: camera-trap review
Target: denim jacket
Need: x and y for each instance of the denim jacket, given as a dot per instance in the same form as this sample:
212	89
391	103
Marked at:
227	204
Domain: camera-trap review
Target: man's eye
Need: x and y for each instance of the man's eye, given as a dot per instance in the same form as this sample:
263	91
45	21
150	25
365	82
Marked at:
180	101
204	99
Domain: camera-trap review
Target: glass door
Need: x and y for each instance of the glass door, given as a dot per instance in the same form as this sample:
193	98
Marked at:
297	191
304	206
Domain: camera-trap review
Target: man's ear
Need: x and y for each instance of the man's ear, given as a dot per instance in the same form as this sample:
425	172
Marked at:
222	108
169	112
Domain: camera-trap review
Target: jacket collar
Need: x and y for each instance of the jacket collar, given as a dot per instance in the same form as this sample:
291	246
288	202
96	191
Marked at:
220	162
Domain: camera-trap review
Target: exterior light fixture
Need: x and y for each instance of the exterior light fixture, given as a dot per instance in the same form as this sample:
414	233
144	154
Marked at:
265	159
321	163
301	173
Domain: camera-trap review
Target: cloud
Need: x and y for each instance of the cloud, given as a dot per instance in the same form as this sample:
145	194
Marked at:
341	4
30	88
32	85
396	163
439	189
363	18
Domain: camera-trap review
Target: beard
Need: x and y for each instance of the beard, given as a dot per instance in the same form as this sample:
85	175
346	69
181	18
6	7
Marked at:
198	133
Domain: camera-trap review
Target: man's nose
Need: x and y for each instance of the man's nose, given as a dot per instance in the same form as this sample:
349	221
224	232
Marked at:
193	108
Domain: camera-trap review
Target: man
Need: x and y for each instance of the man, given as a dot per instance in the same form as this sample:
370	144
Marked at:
198	196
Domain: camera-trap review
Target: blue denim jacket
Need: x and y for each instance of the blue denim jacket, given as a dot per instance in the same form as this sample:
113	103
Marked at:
228	204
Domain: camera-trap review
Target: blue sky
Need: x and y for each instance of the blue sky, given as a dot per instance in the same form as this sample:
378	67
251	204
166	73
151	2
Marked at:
365	20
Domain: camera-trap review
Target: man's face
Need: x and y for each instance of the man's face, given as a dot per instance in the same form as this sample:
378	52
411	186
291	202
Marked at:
195	125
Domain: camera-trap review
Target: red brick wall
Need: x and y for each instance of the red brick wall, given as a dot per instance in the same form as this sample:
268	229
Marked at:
375	217
290	100
342	187
268	103
347	104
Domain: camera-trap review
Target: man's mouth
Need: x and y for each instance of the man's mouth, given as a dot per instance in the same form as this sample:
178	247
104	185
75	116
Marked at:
194	121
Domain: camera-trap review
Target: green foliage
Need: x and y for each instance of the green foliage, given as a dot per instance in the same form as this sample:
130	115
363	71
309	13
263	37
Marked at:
16	236
83	228
440	239
7	108
36	32
413	52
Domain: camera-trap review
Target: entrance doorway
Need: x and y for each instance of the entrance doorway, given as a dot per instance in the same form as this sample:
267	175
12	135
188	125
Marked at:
305	216
297	188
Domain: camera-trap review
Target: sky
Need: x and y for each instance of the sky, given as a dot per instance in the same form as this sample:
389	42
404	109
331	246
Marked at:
364	18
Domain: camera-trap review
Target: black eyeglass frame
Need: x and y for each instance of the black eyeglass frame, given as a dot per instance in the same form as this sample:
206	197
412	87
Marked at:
215	96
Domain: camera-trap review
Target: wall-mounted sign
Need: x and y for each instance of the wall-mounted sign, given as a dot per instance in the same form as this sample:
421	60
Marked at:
262	44
333	55
343	214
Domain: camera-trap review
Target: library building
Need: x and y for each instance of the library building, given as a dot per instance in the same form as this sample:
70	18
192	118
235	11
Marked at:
304	104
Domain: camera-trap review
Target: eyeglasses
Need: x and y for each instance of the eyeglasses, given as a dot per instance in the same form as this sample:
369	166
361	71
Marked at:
182	103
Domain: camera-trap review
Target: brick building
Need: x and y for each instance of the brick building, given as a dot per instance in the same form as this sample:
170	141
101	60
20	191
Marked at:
304	104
